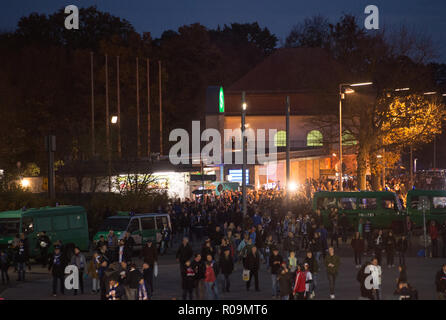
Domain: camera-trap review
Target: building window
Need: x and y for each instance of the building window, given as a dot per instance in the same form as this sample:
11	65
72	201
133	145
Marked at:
314	139
280	139
348	139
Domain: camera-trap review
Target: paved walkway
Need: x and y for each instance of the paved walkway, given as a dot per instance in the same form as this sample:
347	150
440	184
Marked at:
421	275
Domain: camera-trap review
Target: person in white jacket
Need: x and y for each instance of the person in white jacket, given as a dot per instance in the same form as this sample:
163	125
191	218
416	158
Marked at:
376	273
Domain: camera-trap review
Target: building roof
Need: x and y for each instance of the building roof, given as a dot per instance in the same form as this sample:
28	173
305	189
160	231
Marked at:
308	75
294	70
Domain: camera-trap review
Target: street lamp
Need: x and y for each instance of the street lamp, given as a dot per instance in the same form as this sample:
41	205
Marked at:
341	97
244	106
114	119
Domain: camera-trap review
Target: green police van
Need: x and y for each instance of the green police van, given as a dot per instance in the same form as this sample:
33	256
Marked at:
432	202
142	227
382	208
66	223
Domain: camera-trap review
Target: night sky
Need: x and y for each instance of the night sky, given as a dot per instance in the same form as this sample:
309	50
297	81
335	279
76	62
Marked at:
425	16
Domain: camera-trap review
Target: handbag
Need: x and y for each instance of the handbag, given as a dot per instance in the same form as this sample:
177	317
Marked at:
155	269
246	273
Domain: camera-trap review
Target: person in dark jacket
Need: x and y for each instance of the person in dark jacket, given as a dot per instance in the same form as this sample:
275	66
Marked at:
401	247
402	277
440	282
290	244
21	258
284	280
123	252
313	265
390	245
226	268
4	266
132	280
184	252
43	243
207	249
378	243
358	245
199	267
78	259
253	265
188	277
56	266
150	257
275	262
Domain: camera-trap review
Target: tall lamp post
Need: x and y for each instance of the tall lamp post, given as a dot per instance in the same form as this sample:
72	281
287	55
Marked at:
244	154
341	97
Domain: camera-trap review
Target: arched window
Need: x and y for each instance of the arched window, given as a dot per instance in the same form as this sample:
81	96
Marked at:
314	139
348	139
280	139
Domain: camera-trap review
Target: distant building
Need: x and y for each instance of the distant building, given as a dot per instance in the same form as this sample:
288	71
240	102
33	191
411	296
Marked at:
311	80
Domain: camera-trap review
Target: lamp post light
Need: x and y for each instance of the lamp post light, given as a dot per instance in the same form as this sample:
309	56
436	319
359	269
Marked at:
244	106
341	97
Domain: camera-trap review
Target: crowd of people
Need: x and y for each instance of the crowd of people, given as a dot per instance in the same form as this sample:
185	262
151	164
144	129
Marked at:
292	246
291	241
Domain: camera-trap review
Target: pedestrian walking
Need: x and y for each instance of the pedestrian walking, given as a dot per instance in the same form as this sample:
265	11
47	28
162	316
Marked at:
78	260
332	263
358	246
253	265
56	267
188	282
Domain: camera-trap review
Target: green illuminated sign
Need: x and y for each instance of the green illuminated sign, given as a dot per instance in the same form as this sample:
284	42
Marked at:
221	101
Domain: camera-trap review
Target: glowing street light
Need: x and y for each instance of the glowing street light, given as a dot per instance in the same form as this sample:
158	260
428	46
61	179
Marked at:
114	119
25	183
361	84
292	186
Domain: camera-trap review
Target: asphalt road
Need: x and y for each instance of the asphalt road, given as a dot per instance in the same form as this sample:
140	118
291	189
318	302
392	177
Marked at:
421	274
